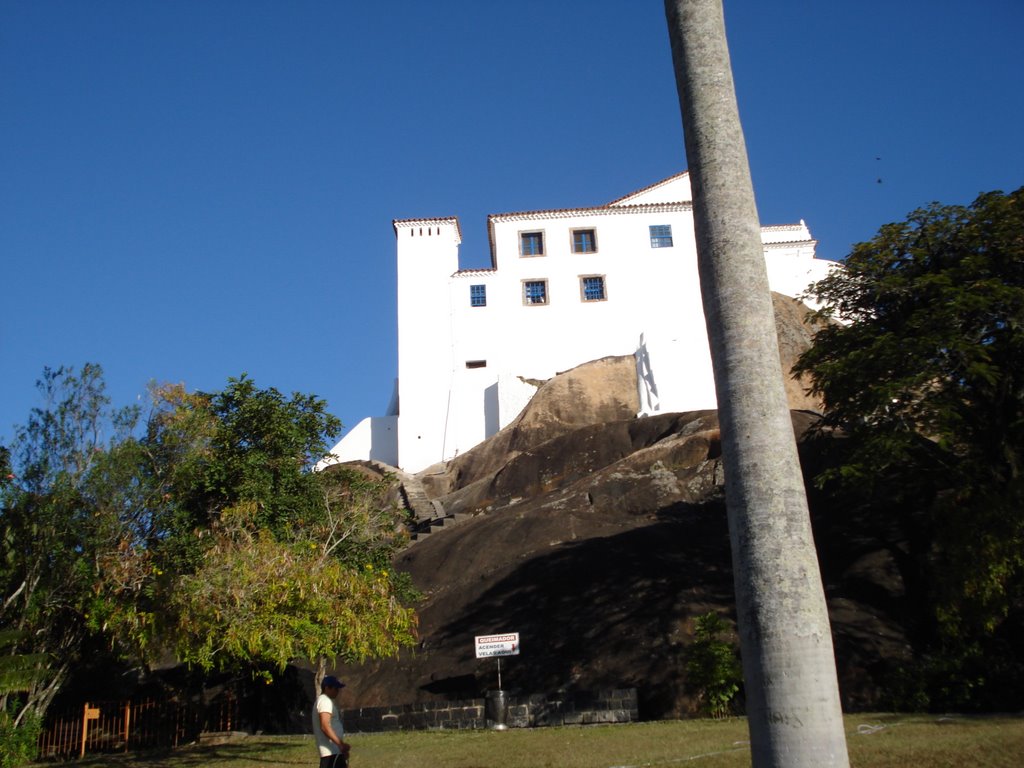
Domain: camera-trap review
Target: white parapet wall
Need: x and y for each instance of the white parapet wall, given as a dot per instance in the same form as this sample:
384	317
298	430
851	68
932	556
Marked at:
375	437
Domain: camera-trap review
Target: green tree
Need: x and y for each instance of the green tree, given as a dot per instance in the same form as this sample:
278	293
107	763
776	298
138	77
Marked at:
6	475
924	375
18	671
260	449
789	666
263	601
254	560
200	529
51	532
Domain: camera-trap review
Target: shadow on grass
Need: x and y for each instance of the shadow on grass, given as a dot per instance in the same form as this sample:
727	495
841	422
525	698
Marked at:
253	751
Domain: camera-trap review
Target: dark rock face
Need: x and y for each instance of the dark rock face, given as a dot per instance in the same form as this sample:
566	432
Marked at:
600	547
599	537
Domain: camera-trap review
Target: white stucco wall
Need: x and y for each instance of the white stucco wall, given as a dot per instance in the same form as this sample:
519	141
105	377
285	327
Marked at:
428	254
375	437
465	371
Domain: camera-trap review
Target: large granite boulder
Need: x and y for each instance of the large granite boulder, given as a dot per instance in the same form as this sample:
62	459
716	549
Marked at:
602	392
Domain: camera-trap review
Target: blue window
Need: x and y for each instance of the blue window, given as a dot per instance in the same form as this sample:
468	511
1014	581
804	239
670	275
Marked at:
661	236
584	241
593	288
478	295
531	243
535	292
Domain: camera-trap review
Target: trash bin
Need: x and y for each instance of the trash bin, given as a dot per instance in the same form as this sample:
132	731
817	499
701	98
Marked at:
497	710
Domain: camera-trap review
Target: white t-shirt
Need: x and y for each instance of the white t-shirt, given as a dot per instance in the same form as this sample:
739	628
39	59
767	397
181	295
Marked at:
324	703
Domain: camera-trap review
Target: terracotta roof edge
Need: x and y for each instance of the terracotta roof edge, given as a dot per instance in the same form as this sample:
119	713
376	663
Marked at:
649	187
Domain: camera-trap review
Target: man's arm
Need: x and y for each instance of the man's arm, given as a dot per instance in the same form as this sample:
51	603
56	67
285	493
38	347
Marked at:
329	731
325	726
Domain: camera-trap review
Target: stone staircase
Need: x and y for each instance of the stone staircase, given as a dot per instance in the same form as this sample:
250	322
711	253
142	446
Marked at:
429	515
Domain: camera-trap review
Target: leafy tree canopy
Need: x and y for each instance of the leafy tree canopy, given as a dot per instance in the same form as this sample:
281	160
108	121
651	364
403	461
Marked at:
50	524
273	601
197	527
925	374
258	448
256	559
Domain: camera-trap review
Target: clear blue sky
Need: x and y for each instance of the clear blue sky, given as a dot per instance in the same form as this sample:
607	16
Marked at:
193	189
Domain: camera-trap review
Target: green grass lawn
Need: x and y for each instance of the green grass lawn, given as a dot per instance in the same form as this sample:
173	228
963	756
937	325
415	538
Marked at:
875	741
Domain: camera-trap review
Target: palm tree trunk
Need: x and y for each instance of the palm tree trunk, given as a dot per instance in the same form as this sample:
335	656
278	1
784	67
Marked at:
795	718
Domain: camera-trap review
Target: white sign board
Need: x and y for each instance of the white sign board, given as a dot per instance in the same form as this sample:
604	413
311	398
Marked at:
497	645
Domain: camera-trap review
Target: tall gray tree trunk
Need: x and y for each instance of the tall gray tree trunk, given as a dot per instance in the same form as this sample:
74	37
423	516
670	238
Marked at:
795	718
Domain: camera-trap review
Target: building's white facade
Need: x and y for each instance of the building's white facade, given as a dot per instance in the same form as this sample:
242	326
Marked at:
565	287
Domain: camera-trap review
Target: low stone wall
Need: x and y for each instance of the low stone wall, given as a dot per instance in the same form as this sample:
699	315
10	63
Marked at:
610	706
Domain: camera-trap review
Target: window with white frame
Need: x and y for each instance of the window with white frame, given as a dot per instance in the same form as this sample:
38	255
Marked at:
531	243
535	292
584	241
478	295
592	288
661	236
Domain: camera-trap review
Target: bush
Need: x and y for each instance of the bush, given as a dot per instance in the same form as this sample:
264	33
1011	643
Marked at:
713	669
971	679
18	743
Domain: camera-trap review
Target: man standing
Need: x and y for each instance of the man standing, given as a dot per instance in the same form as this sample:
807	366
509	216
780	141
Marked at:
327	725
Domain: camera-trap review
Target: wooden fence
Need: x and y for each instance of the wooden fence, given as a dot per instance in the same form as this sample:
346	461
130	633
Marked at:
132	725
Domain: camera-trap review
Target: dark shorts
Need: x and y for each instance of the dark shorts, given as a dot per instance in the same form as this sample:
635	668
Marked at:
334	761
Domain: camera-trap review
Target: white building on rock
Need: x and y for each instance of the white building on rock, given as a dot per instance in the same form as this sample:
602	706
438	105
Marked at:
565	287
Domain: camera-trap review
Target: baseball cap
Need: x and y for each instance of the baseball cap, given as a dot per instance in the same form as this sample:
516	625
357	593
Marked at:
332	681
